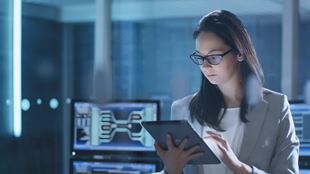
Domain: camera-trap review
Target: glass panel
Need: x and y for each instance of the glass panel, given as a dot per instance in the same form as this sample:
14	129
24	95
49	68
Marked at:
150	52
6	16
304	54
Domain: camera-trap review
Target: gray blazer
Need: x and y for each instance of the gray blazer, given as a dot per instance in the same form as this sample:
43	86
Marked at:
269	145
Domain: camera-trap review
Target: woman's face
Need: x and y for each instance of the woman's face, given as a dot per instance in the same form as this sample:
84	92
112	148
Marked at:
208	43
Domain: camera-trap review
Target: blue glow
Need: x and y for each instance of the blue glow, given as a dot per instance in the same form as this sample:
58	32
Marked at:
68	100
8	101
39	101
54	103
25	104
17	81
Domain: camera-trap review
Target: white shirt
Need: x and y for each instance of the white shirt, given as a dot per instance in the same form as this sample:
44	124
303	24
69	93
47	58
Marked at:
234	127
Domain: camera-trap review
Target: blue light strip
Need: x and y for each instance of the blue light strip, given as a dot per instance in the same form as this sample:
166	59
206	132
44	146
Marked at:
17	81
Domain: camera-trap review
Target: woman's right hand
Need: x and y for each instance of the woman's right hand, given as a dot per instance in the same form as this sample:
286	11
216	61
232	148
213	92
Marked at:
176	157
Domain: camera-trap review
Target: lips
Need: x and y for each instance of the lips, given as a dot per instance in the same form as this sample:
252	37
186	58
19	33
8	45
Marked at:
211	75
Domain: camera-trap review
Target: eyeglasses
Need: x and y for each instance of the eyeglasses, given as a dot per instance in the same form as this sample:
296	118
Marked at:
214	59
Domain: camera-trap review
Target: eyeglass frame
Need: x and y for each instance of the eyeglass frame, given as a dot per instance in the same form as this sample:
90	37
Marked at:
206	57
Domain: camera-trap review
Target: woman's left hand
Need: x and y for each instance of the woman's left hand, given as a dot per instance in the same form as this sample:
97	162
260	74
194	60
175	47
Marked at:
227	155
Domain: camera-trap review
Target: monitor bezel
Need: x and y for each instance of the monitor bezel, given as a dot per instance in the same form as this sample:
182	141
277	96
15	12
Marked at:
121	159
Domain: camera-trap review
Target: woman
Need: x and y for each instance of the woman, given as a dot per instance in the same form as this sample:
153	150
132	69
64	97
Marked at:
249	127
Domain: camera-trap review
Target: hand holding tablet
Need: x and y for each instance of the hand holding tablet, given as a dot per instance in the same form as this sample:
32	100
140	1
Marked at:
179	130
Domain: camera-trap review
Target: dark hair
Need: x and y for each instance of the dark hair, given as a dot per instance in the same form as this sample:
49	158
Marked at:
206	105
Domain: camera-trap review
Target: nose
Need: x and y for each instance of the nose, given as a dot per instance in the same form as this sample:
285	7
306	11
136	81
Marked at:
206	64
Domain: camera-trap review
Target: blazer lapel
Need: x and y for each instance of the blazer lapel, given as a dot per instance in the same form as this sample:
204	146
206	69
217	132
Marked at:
197	127
256	117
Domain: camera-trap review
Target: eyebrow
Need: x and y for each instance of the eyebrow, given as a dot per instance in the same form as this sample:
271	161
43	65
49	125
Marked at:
209	51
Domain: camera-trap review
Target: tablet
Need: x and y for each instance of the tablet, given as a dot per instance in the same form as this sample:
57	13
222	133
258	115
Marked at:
179	129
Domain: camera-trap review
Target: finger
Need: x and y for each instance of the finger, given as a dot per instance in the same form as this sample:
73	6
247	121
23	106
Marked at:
221	140
183	143
213	133
209	136
195	155
216	136
222	148
160	151
193	149
169	142
218	139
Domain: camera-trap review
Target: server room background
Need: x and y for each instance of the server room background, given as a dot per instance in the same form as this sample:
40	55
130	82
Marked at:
118	62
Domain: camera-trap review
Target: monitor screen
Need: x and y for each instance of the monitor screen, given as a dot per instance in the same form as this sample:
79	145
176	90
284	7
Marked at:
113	126
304	171
301	117
83	167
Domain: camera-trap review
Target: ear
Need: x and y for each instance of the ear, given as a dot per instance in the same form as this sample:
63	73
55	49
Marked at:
240	57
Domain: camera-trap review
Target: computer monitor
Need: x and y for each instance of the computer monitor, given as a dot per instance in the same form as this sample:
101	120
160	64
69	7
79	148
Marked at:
113	126
304	171
301	117
100	167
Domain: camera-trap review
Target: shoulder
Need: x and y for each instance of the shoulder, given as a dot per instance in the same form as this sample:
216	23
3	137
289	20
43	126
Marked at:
180	108
273	97
185	101
277	102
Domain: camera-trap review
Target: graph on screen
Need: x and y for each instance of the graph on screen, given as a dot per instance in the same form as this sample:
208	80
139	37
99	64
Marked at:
113	126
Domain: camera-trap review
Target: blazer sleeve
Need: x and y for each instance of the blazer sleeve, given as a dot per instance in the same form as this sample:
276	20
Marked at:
286	153
173	116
